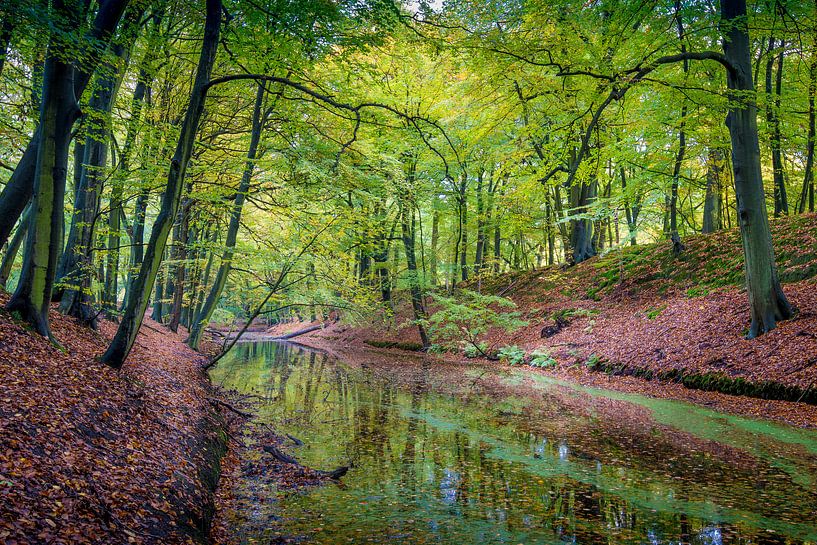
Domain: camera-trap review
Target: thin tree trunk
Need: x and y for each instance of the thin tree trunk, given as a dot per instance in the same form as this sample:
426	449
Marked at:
712	200
180	267
13	248
674	236
781	205
21	186
807	193
408	237
203	317
435	240
479	254
464	228
140	290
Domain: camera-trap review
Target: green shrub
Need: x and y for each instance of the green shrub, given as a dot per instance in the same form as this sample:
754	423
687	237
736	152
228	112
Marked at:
512	355
471	351
462	322
697	291
593	360
542	358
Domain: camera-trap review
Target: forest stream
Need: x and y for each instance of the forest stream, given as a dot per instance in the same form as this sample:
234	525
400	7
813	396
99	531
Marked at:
502	456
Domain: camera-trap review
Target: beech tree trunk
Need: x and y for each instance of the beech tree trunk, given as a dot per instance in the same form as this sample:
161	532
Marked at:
203	317
408	237
781	205
712	200
143	283
581	234
58	111
13	248
435	241
463	244
480	252
21	186
180	264
766	299
807	192
77	259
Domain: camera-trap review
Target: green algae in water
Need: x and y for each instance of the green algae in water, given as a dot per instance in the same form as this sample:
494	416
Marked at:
550	463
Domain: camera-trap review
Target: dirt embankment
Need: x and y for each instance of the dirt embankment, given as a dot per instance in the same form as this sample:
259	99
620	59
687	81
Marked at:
639	319
91	455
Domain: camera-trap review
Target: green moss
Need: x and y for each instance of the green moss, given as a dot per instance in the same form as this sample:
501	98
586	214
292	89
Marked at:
712	382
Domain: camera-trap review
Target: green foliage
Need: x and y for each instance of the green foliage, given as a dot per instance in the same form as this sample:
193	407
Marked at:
463	321
472	351
593	361
654	312
541	358
697	292
511	355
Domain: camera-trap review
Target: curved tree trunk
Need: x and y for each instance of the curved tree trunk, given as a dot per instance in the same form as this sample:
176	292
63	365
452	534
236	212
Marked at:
143	283
203	317
21	186
13	248
77	259
766	299
58	112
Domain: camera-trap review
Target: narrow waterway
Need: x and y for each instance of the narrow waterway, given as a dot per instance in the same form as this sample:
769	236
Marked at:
486	456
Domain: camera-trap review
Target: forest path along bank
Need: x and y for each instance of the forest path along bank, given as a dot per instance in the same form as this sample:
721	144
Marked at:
92	455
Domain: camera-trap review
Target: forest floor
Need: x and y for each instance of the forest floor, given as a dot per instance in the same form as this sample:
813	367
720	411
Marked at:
638	319
92	455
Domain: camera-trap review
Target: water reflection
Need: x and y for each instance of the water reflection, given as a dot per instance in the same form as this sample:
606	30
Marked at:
551	466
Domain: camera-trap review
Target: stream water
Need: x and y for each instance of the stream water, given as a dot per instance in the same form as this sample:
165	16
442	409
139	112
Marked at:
515	457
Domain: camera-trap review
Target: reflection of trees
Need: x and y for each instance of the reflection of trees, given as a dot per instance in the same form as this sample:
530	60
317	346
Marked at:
393	453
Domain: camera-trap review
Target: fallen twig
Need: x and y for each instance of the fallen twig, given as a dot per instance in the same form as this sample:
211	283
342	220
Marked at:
219	403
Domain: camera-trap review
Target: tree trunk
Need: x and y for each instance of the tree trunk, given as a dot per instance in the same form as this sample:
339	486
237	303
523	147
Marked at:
77	259
464	227
766	299
21	186
58	112
203	318
408	237
180	265
497	243
13	248
581	235
631	211
674	236
435	240
712	200
807	193
781	205
142	284
479	254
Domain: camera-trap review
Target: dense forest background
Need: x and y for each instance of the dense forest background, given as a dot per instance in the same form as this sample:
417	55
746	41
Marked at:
219	161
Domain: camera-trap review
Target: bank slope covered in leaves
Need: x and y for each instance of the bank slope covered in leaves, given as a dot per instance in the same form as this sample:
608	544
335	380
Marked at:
91	455
638	311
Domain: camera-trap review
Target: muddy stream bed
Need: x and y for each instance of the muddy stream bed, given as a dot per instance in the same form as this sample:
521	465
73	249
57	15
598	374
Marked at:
480	455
